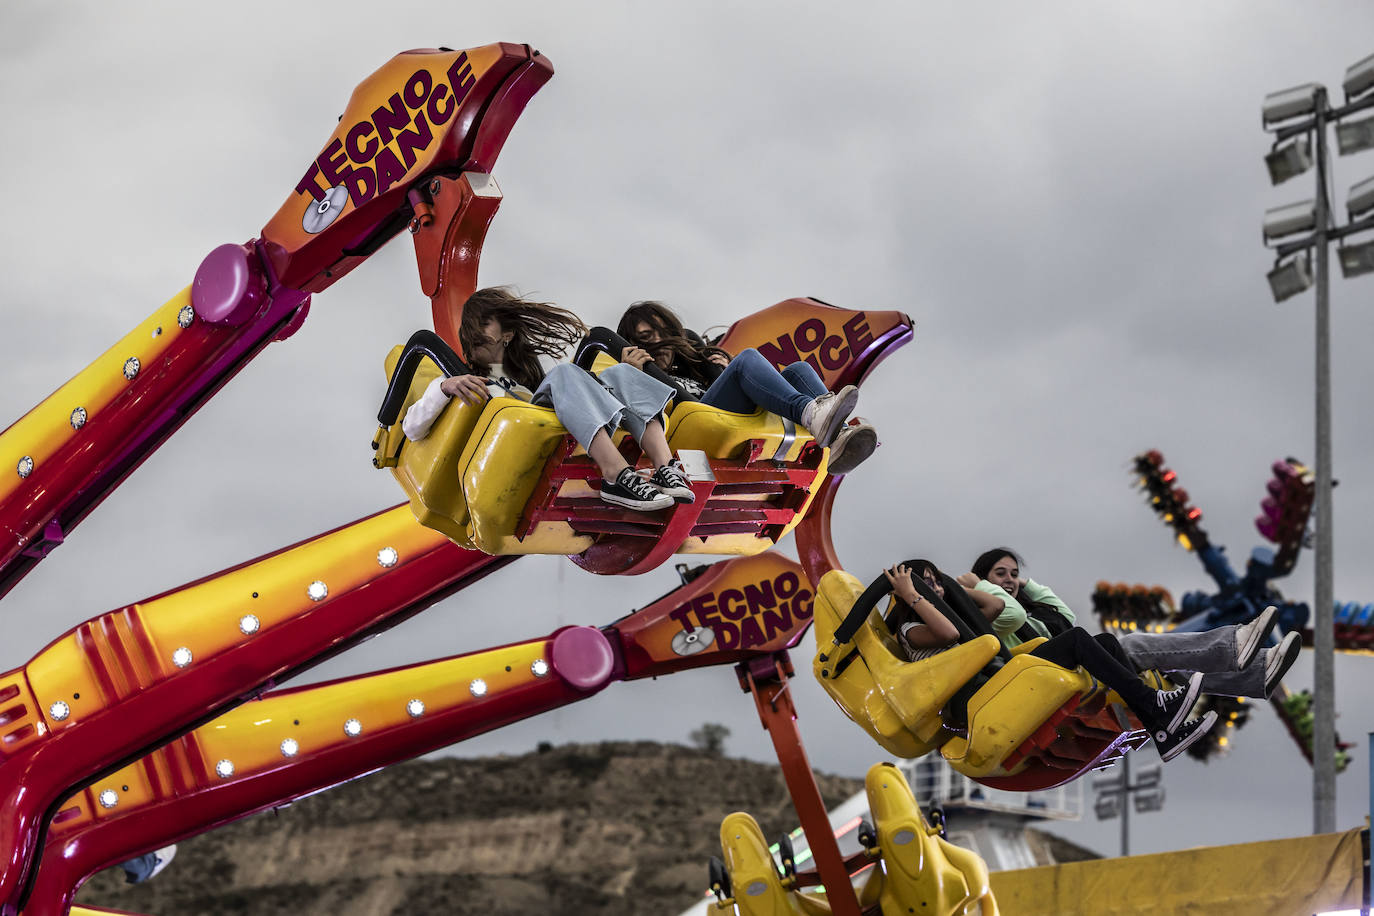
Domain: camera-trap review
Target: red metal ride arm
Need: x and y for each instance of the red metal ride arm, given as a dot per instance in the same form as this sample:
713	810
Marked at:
177	792
423	116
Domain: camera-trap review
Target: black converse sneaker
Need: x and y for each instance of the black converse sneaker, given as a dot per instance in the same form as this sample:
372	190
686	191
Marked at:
632	492
1171	744
1174	705
672	481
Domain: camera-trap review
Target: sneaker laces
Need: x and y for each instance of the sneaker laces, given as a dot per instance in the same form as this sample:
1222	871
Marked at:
1169	696
637	485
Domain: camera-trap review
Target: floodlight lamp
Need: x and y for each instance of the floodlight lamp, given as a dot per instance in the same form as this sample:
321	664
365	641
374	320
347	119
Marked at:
1359	78
1360	200
1355	136
1288	279
1357	259
1289	161
1289	219
1289	103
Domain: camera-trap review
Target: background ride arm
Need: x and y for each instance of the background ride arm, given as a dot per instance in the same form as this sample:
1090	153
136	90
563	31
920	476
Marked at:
423	114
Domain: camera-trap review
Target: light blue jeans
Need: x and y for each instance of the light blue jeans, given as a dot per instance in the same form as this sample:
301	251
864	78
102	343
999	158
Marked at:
586	404
1213	652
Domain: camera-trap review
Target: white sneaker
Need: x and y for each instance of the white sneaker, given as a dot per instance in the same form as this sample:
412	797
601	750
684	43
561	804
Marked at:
164	858
851	447
824	416
1250	636
1281	658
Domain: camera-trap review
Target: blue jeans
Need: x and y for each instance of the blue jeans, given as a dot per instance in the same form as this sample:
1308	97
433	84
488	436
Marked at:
750	381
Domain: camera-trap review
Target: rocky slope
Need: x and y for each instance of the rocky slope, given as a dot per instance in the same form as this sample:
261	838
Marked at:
609	828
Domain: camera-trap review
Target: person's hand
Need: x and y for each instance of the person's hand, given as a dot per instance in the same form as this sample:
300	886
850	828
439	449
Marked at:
635	357
720	359
967	580
899	577
471	388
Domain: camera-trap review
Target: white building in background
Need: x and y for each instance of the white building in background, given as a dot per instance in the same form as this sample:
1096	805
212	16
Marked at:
998	825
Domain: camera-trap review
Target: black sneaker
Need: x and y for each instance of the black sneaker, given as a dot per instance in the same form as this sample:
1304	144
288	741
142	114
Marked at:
1174	705
672	481
632	492
1171	744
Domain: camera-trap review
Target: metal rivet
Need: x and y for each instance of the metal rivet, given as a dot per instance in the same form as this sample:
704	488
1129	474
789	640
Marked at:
387	557
78	418
353	728
181	657
478	687
289	747
248	624
59	711
186	316
540	668
157	332
416	708
109	798
25	466
224	769
317	591
131	367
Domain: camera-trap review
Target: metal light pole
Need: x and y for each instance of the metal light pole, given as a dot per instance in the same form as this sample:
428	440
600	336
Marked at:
1312	100
1323	623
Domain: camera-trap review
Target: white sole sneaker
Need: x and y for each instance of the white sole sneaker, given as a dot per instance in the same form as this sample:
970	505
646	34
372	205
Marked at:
1281	658
1251	636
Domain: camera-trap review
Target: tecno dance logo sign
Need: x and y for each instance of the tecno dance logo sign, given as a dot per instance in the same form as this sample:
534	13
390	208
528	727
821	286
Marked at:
376	152
743	618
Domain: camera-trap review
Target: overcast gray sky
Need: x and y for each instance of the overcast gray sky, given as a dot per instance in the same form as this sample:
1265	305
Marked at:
1065	197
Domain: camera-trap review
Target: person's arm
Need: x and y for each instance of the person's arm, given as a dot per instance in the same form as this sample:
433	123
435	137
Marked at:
990	605
1041	594
419	419
1012	616
935	629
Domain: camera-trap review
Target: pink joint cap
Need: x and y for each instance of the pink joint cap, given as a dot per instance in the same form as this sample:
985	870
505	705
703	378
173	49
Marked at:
582	657
230	286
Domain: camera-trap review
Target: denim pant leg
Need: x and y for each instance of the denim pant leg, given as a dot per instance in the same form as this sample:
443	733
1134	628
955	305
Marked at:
802	377
1213	652
580	401
644	398
750	381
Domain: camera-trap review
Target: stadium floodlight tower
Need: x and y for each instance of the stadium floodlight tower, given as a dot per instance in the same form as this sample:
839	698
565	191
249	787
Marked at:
1298	118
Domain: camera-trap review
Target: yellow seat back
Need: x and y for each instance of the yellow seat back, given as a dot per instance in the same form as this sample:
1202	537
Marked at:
896	701
1006	710
754	880
427	470
923	873
500	465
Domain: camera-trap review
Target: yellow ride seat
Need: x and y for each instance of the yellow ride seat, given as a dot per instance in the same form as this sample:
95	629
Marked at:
896	701
922	872
507	445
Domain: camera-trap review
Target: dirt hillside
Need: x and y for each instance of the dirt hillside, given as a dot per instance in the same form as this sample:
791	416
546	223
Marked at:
612	828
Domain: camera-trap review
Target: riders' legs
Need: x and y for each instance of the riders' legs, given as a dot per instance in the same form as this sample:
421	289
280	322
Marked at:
607	457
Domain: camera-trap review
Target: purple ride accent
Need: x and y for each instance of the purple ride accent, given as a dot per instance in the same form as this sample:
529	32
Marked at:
583	657
229	287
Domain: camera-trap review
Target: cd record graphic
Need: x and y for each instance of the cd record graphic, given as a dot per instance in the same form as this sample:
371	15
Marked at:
320	213
690	642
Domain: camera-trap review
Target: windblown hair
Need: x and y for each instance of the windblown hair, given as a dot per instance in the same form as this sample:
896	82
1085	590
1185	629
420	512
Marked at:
538	329
689	353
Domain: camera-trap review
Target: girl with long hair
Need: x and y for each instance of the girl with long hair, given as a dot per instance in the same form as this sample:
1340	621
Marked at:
747	381
503	337
923	626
